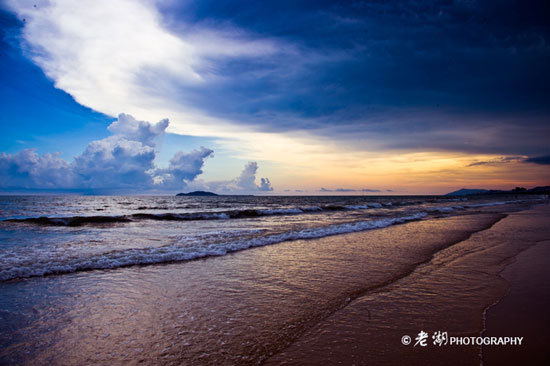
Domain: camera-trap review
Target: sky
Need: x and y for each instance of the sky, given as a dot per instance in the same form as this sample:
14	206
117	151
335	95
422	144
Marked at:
273	97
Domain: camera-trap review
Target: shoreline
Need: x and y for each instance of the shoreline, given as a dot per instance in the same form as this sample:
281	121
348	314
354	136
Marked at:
359	345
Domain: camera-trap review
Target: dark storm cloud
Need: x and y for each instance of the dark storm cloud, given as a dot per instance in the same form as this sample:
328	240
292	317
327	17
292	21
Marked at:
499	160
542	160
472	74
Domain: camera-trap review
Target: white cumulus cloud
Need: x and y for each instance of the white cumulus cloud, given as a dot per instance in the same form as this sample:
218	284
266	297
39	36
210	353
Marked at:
245	182
123	161
184	167
26	169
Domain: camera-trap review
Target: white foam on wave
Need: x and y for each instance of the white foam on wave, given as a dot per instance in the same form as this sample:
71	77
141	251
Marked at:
364	207
13	266
357	207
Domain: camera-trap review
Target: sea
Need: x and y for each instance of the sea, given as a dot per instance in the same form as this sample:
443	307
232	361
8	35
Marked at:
206	280
45	235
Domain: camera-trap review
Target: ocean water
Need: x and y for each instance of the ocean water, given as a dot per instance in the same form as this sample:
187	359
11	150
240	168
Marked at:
220	280
43	235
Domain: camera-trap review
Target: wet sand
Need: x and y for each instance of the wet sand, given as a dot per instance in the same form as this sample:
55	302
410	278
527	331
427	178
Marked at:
450	293
524	311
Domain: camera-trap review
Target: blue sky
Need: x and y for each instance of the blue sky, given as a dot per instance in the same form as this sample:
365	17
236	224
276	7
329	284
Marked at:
35	113
343	95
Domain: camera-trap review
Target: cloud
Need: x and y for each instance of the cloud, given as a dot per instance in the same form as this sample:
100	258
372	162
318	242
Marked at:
247	179
244	183
337	78
265	185
124	160
343	190
26	169
114	55
129	128
184	167
542	160
499	160
115	162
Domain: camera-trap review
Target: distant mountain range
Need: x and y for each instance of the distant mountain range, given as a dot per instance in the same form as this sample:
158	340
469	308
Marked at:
466	191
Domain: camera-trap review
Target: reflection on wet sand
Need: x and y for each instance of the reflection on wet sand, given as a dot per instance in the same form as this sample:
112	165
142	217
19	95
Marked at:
448	294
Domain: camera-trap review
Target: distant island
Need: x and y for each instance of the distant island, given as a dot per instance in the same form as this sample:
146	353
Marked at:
466	191
198	193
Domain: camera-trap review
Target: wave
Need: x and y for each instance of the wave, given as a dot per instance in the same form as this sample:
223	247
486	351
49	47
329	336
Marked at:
448	209
171	216
241	213
363	207
72	220
444	209
16	267
496	203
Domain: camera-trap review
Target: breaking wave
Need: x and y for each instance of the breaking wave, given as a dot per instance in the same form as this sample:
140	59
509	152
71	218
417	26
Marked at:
14	266
171	216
